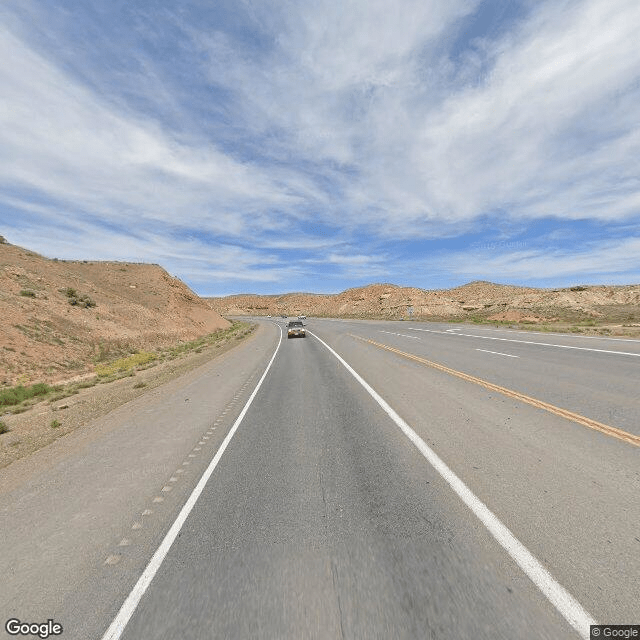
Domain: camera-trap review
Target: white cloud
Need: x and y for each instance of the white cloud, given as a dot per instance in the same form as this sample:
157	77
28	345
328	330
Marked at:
608	257
317	86
61	141
359	115
556	117
550	130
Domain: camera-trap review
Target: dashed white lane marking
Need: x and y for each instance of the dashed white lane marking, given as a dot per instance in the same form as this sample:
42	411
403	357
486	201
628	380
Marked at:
130	604
186	462
125	542
147	512
179	471
136	525
402	335
158	499
540	344
197	448
192	455
166	488
558	596
114	559
497	353
173	479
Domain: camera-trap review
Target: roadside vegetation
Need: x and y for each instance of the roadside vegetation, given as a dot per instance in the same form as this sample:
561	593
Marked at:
17	395
78	299
123	365
622	326
589	326
21	398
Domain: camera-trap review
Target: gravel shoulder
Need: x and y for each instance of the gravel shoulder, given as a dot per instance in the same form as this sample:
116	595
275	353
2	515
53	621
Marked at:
47	422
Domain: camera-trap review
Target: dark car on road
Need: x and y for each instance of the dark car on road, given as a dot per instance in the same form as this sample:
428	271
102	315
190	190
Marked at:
295	329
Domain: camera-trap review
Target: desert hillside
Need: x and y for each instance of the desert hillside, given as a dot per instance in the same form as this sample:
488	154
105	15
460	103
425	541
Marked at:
58	317
473	301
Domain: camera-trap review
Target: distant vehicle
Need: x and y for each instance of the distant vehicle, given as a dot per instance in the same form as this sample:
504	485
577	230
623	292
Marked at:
302	317
268	316
285	317
295	329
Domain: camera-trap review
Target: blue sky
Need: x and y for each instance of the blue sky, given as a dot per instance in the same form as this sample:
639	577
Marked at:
266	147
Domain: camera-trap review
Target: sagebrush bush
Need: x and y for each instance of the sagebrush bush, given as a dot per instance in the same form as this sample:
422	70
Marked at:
78	299
16	395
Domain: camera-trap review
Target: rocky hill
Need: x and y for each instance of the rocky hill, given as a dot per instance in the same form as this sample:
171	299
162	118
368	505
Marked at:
473	301
59	317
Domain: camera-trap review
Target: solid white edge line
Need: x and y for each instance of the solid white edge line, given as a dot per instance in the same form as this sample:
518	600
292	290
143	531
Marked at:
562	335
570	609
497	353
129	606
540	344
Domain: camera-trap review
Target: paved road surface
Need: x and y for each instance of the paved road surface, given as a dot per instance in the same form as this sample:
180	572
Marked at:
321	518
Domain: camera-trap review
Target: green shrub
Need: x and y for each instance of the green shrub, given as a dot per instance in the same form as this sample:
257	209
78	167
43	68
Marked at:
27	293
3	427
77	299
55	424
16	395
82	301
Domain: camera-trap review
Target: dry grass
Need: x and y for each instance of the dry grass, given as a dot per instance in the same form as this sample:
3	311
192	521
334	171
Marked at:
124	365
21	398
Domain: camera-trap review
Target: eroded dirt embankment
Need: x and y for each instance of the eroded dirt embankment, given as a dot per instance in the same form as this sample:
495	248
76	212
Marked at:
59	317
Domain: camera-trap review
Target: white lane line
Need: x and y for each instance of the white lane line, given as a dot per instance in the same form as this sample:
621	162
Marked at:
497	353
562	335
400	334
558	596
129	606
541	344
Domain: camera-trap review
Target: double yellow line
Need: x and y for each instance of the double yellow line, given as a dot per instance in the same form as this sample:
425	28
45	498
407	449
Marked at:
563	413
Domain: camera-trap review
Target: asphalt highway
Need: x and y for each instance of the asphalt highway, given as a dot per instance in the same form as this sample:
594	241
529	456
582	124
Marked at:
373	480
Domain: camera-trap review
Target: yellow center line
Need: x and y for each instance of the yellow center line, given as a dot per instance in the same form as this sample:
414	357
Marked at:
564	413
